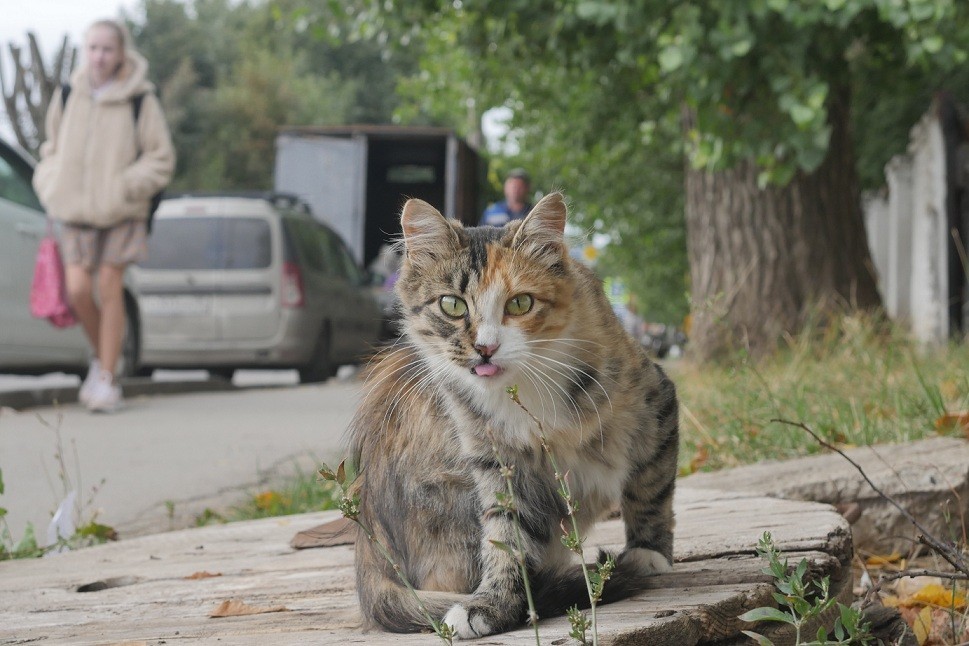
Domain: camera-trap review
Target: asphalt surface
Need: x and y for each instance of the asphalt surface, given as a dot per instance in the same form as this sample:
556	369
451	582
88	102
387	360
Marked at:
182	444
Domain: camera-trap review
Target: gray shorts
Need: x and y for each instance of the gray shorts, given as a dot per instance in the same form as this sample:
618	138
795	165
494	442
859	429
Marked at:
90	247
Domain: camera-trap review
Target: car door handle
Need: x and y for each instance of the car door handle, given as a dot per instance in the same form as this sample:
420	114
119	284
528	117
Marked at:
27	230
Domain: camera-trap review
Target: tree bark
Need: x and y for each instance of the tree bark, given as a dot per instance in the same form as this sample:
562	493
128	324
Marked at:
763	260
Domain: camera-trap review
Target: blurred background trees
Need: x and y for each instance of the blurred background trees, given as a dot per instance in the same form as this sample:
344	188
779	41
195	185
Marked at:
721	146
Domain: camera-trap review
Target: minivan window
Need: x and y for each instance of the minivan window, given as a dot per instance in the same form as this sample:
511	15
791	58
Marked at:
209	243
312	253
348	267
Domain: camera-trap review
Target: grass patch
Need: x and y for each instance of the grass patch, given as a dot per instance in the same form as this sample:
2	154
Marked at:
856	382
300	493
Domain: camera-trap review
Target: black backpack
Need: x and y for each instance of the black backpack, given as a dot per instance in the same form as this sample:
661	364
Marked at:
136	111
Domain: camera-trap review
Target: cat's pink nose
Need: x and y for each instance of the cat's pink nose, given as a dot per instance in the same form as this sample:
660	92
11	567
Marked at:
486	350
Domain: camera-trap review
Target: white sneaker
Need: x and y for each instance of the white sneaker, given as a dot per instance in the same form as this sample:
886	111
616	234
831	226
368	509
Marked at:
105	395
84	392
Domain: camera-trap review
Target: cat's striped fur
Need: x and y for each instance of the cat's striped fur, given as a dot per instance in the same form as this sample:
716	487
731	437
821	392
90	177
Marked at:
436	400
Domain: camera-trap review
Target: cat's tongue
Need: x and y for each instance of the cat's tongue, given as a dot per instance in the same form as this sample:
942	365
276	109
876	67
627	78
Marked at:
486	370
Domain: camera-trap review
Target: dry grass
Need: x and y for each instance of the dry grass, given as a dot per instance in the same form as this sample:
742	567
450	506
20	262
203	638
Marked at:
856	382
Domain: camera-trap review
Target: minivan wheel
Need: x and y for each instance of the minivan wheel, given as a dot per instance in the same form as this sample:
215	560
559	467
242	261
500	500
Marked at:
319	368
128	365
222	373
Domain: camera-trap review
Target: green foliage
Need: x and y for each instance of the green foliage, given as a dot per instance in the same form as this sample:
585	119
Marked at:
803	602
230	74
607	97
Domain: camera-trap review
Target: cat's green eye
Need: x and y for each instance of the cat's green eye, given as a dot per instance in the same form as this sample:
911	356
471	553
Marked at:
518	305
453	306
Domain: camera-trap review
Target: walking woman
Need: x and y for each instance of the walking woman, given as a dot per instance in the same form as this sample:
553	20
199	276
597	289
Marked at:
99	168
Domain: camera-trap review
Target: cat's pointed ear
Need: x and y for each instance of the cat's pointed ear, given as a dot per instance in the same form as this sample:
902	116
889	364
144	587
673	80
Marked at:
426	231
543	230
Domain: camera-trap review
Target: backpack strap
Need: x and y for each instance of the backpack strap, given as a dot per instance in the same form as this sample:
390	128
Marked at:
136	105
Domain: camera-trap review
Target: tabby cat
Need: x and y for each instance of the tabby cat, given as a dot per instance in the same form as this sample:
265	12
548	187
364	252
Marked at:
484	309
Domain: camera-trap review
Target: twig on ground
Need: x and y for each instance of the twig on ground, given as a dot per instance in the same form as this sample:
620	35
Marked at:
948	552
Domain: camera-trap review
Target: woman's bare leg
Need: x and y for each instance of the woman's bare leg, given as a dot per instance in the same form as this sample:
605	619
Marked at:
81	297
111	296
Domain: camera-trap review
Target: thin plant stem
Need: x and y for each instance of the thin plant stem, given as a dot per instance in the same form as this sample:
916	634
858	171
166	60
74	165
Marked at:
566	493
403	577
350	508
512	508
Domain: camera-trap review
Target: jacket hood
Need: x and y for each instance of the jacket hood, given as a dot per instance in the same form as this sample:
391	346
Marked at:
130	81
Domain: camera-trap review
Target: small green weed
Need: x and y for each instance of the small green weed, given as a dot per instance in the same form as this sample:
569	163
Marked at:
26	547
85	534
297	494
802	603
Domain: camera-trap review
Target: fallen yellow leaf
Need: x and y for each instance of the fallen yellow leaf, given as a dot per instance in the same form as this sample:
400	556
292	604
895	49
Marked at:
958	420
202	575
234	608
922	627
936	595
883	559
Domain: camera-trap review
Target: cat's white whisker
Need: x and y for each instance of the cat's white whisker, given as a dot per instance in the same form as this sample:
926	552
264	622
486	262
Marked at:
571	379
567	398
581	372
536	379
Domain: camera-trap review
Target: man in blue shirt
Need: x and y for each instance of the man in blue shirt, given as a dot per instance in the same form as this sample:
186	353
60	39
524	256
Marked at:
515	206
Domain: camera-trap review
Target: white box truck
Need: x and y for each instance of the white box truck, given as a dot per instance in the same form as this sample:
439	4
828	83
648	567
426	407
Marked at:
357	178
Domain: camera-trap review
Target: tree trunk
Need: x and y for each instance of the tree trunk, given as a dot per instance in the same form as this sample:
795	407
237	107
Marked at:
763	260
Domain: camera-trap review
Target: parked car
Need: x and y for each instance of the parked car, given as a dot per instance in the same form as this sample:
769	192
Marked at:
29	345
251	281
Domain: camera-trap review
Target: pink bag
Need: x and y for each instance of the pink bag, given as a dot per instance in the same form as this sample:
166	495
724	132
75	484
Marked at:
48	293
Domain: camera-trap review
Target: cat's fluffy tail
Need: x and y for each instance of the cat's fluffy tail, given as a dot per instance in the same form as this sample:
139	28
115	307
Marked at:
393	607
556	593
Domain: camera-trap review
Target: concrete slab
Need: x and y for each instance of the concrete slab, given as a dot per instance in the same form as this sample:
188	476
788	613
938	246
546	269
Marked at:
930	478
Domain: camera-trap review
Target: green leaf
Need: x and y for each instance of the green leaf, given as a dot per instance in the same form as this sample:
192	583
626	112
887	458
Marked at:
28	544
760	639
671	58
932	44
1	482
802	115
741	47
504	547
766	614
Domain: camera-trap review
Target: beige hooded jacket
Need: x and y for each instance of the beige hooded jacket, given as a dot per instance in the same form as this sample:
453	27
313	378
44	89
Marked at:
95	169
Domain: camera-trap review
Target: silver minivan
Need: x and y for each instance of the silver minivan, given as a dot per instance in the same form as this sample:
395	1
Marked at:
251	281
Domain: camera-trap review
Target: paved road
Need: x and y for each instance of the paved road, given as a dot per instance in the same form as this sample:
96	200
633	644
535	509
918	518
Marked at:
198	450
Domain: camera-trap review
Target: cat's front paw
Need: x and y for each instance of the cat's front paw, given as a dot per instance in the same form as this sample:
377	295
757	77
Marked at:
646	561
467	623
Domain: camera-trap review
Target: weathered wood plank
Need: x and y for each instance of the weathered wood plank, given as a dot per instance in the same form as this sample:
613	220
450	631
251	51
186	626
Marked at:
717	576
